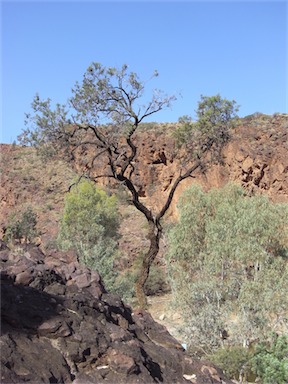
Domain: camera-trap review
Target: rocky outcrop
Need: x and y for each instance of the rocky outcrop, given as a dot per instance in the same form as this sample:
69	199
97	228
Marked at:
59	325
256	158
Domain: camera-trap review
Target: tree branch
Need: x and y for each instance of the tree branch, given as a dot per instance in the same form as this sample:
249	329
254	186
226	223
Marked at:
174	187
135	197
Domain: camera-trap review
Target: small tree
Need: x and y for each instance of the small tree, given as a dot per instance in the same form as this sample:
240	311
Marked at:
105	113
90	225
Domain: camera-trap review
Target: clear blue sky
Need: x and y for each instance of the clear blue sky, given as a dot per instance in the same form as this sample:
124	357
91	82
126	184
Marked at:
237	49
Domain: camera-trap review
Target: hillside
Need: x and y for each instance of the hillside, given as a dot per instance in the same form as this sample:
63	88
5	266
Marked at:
256	158
53	305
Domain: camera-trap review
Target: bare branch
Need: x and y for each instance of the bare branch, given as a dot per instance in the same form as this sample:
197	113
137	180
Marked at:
168	202
135	197
83	176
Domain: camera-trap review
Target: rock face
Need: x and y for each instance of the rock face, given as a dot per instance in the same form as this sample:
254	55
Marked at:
255	158
59	325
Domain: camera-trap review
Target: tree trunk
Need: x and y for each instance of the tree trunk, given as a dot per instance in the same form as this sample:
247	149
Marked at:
154	238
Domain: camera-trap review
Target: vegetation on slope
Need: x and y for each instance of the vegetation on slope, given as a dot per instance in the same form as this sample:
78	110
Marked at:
227	263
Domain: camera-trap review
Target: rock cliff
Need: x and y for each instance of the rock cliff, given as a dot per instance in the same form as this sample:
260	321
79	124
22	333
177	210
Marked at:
256	158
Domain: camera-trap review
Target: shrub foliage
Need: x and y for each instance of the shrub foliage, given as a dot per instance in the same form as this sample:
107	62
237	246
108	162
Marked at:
90	225
227	264
270	362
22	228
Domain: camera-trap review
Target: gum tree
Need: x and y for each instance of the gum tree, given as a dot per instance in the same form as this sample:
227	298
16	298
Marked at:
226	256
102	118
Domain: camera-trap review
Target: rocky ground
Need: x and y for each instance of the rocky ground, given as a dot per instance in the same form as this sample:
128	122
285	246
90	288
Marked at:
161	309
59	325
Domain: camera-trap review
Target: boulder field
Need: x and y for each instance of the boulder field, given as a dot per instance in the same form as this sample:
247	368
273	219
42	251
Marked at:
59	325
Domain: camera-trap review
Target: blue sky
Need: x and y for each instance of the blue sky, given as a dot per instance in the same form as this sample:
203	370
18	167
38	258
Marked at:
237	49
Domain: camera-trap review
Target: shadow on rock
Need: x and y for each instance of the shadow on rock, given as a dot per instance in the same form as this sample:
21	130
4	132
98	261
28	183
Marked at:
24	308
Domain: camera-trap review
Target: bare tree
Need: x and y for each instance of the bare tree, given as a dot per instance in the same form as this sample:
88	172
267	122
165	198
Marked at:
103	116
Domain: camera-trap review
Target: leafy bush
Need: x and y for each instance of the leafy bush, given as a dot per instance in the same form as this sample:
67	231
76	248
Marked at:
89	214
90	225
124	284
270	362
228	257
233	360
182	130
23	228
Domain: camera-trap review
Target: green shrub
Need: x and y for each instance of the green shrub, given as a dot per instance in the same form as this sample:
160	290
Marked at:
23	228
270	362
182	130
228	254
90	225
89	214
124	285
233	360
155	284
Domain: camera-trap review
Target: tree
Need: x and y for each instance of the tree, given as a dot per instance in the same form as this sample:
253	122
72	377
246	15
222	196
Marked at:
90	225
216	117
102	118
228	256
23	228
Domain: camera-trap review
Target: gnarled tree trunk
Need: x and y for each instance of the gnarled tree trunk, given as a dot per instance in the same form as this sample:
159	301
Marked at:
154	235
